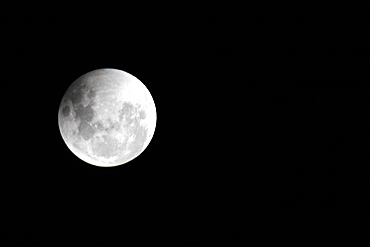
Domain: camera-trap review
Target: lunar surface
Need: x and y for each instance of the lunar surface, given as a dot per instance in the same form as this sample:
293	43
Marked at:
107	117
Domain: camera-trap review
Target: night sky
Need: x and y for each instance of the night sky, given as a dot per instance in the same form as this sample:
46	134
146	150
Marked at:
262	123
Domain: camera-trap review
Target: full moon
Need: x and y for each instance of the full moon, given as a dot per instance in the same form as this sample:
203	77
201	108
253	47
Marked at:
107	117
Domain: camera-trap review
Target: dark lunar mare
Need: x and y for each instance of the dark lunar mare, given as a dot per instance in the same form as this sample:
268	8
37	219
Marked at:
76	97
66	111
126	111
85	130
84	114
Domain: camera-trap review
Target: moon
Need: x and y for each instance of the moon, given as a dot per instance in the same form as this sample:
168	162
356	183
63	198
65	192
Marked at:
107	117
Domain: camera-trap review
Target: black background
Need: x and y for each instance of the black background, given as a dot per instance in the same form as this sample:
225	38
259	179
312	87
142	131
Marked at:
262	123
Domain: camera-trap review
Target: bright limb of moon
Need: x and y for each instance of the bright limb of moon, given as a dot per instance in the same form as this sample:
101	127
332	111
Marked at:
107	117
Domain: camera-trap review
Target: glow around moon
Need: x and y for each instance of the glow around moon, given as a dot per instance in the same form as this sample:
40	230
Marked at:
107	117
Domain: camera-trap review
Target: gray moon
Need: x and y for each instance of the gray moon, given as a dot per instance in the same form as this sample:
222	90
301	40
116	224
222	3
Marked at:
107	117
